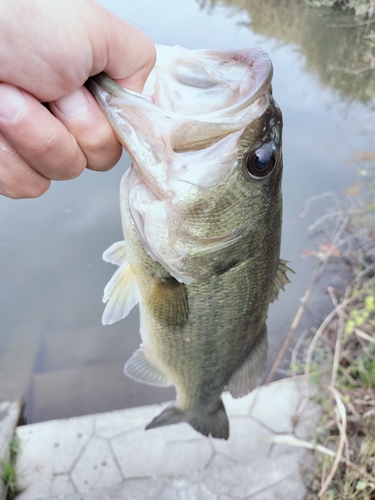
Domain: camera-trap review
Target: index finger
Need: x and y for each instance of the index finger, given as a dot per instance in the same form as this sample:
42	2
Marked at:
130	54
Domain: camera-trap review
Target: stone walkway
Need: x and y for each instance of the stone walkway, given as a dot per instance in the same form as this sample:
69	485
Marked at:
111	456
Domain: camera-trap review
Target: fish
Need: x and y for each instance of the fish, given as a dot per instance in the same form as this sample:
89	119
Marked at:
201	210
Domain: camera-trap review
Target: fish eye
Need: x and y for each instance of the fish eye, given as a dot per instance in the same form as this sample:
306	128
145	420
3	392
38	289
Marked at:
261	162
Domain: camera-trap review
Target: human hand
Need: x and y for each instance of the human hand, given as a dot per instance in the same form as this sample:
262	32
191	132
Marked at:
47	52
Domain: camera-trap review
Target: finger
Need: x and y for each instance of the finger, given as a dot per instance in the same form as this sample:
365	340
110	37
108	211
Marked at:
129	53
39	138
83	118
17	179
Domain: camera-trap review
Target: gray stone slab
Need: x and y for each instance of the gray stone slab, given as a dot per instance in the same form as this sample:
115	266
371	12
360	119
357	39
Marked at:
134	489
9	416
285	397
111	455
48	450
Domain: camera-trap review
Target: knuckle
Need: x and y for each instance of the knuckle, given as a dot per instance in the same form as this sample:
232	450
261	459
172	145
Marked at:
61	155
20	190
37	189
101	148
17	179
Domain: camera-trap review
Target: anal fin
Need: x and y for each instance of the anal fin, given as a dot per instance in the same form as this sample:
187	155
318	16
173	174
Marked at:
249	374
215	423
140	369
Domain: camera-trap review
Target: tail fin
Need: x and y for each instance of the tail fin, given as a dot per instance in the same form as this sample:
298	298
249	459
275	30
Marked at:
215	423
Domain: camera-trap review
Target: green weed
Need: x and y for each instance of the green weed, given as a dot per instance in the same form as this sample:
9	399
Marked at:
9	475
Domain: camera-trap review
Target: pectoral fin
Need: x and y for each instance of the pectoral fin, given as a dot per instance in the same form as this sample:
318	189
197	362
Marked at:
140	369
281	279
249	374
121	294
116	253
169	301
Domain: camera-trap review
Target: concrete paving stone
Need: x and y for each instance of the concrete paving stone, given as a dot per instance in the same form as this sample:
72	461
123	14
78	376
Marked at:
62	485
169	463
96	467
136	489
243	481
139	453
228	497
217	461
47	449
177	432
9	416
238	407
186	488
283	395
287	489
184	457
132	448
308	421
247	441
112	424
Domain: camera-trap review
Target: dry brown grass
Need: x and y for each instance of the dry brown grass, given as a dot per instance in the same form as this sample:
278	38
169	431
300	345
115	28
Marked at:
339	356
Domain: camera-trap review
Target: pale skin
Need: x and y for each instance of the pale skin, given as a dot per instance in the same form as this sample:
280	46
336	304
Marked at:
48	49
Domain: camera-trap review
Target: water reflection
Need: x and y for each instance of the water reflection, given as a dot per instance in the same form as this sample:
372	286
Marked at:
337	45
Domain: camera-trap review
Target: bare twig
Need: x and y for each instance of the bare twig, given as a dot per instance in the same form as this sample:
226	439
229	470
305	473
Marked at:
300	340
340	447
311	349
364	335
293	441
318	271
340	330
294	325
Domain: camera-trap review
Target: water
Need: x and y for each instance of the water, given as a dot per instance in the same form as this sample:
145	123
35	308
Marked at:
53	348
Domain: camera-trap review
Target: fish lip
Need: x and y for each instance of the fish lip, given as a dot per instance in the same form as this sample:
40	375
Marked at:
254	57
260	62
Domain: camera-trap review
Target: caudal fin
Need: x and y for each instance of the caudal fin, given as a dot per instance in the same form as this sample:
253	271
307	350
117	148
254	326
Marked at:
215	424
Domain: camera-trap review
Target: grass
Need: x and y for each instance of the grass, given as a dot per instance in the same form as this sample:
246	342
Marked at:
339	356
9	476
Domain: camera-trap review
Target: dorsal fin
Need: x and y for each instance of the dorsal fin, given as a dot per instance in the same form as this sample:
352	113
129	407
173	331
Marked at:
281	279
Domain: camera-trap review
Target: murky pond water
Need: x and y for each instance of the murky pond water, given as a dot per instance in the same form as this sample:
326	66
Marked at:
53	348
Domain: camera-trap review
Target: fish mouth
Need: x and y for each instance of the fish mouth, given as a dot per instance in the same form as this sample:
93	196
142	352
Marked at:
191	101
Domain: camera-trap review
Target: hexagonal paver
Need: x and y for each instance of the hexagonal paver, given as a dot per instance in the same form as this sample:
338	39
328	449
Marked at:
283	396
96	467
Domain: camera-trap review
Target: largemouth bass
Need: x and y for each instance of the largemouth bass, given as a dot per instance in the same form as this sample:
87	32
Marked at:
201	213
